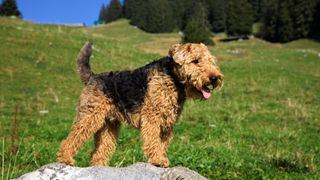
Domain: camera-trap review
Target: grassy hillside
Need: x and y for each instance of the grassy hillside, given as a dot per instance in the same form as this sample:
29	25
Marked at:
264	123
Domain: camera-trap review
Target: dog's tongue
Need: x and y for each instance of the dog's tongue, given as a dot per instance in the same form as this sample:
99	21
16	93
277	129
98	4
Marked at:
206	93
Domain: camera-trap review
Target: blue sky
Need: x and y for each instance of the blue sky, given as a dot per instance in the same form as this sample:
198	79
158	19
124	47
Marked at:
61	11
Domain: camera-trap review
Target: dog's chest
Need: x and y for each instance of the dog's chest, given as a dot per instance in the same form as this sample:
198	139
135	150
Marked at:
163	98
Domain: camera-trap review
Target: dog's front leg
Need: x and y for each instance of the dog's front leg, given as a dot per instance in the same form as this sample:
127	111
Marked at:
152	145
166	136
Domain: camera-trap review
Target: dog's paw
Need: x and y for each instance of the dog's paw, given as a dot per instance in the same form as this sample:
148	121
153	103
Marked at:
160	162
67	161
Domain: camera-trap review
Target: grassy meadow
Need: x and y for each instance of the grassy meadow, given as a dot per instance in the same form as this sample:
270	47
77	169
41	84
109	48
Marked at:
263	124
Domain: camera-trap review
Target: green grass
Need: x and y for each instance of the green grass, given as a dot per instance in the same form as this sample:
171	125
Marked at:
263	124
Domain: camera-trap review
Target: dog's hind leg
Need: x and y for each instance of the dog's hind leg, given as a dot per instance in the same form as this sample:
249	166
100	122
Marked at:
90	118
105	143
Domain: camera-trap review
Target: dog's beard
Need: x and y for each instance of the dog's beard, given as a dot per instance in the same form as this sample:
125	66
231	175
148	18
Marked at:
201	92
194	93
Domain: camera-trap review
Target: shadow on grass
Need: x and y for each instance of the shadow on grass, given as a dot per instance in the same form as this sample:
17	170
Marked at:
230	39
289	166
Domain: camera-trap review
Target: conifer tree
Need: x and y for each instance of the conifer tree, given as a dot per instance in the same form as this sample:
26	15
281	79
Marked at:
302	13
289	20
114	11
103	13
278	25
315	25
9	8
178	8
159	17
197	28
188	11
239	18
258	7
153	16
269	22
284	28
217	15
136	11
128	8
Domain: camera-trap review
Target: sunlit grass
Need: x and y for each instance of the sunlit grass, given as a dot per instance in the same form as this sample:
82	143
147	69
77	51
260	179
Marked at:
264	123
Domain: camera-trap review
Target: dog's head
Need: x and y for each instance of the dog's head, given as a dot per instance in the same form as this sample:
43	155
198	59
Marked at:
196	68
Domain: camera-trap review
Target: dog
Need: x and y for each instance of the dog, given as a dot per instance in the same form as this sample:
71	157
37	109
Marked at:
149	98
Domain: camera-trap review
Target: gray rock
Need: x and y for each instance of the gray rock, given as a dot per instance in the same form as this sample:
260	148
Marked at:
138	171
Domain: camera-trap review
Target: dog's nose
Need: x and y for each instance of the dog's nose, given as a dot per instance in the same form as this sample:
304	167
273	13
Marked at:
213	79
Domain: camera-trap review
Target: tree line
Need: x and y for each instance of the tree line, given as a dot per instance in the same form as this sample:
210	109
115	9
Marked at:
276	20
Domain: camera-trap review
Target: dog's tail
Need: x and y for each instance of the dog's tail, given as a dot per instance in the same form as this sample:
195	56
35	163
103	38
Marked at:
84	70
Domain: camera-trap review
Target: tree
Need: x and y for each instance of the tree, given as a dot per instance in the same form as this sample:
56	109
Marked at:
258	7
278	25
159	17
9	8
217	15
153	16
114	11
178	9
301	14
269	22
189	11
136	11
197	28
287	20
284	28
103	13
128	9
239	18
315	25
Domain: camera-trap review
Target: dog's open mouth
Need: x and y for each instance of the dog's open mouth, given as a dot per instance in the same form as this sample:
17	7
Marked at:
205	91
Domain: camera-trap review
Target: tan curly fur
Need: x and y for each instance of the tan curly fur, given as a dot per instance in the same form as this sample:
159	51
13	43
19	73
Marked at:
183	73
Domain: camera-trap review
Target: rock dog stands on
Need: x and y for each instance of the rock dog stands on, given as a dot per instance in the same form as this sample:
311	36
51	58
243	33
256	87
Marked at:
139	171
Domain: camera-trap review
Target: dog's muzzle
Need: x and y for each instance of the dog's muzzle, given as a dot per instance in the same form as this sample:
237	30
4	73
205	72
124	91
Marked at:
216	81
213	79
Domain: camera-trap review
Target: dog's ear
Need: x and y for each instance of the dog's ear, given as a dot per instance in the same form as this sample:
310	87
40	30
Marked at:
173	49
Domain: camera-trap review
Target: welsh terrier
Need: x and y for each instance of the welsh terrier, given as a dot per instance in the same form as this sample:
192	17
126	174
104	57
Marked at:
149	98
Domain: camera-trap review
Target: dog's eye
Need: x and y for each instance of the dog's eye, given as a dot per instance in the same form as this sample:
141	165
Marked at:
195	61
